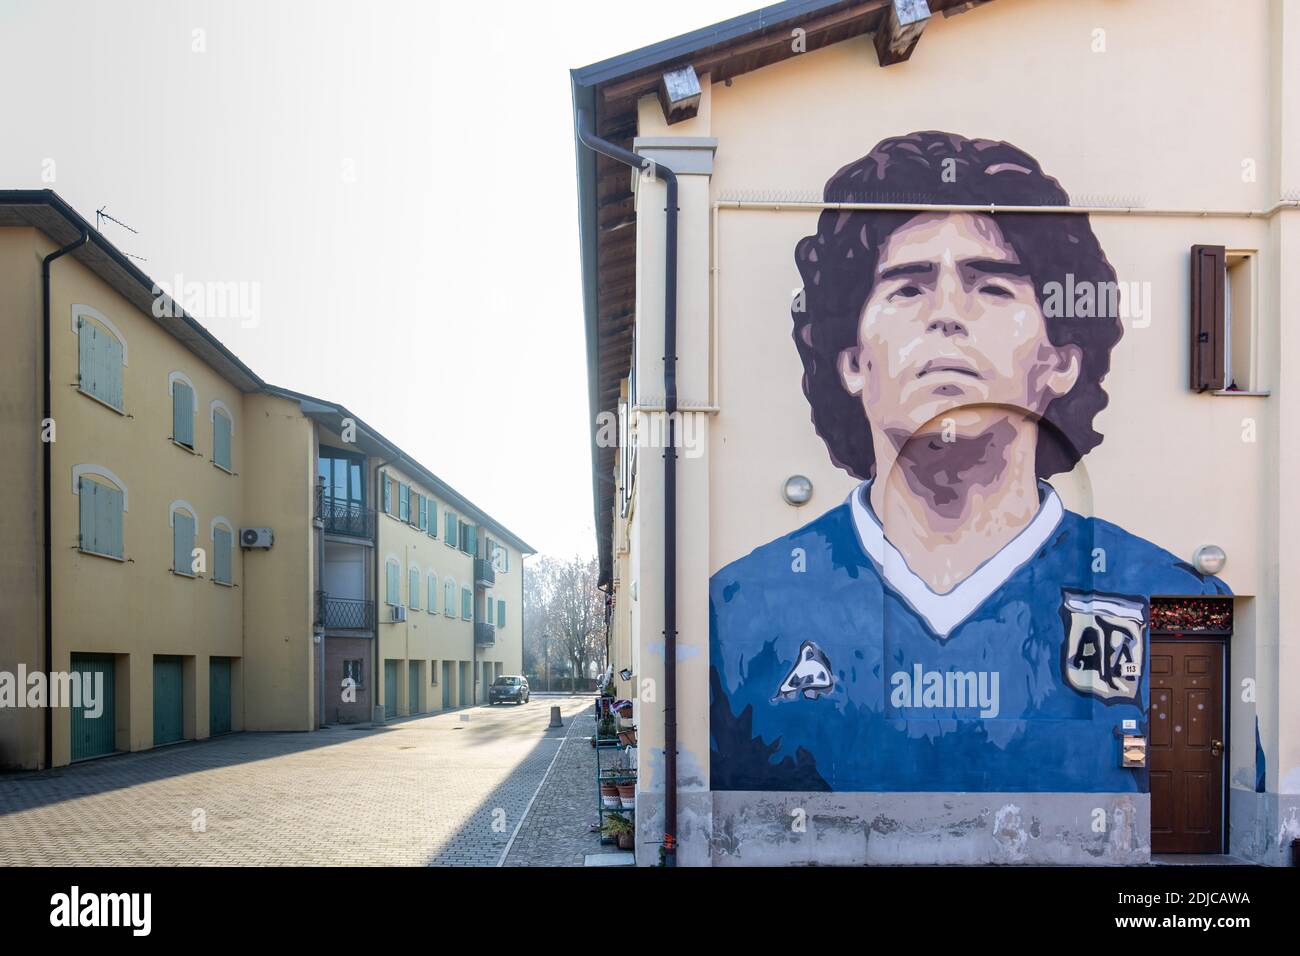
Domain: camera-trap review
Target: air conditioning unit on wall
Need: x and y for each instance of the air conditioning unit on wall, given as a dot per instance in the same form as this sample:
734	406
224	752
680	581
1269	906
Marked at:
255	538
399	613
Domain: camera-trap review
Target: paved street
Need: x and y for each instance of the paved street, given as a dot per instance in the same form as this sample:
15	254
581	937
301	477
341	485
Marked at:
444	790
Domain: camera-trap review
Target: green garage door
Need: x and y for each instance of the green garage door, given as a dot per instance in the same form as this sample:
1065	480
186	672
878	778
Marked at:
446	683
94	736
390	689
219	696
168	697
412	687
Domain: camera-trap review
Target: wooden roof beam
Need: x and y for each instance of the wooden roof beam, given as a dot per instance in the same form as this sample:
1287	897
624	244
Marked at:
900	30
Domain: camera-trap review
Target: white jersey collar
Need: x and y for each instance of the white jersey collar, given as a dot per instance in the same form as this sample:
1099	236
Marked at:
943	612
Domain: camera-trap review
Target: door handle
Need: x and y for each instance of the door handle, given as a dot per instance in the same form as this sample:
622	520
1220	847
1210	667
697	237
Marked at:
1216	748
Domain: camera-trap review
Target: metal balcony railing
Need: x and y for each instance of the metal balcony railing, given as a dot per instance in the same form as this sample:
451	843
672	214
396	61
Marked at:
484	634
349	518
345	613
485	575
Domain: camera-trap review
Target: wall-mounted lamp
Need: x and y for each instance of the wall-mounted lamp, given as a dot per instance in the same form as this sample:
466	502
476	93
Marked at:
797	490
1209	559
625	673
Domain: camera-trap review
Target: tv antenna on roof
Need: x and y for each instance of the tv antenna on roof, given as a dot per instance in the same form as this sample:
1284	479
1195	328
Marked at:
100	216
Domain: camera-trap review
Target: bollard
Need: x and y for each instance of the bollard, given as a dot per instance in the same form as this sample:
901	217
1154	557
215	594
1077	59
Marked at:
555	717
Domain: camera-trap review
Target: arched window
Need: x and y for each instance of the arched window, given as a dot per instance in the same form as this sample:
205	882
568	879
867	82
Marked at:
102	503
223	541
393	581
223	427
101	356
413	588
184	520
183	401
449	597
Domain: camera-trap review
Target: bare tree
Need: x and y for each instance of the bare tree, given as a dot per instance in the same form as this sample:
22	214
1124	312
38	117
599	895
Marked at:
564	615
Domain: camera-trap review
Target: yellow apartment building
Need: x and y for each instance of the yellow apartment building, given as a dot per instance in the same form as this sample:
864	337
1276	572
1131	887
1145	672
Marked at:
201	543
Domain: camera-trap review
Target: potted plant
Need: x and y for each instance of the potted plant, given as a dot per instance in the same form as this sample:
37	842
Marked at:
627	737
609	795
620	827
627	793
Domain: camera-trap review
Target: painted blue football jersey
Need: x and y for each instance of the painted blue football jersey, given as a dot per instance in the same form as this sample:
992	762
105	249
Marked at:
833	667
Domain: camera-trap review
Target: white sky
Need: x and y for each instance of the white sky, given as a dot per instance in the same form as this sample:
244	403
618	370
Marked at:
437	294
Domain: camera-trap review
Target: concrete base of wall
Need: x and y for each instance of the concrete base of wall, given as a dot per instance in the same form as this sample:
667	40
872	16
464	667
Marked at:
1262	826
883	829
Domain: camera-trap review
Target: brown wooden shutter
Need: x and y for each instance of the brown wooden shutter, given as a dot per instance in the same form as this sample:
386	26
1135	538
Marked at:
1209	268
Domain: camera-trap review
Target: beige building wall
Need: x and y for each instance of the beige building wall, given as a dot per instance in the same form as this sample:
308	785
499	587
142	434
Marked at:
1115	127
21	567
279	582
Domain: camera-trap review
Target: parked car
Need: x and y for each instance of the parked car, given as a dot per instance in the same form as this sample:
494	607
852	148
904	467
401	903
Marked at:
508	688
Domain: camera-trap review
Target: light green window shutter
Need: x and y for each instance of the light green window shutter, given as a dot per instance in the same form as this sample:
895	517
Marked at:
403	502
470	545
433	594
424	513
221	440
110	373
108	520
86	355
86	490
449	532
449	598
182	414
433	518
99	362
413	589
393	584
466	603
221	547
501	613
182	543
388	495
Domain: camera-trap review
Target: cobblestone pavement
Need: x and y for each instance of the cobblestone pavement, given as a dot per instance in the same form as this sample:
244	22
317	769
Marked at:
556	831
443	790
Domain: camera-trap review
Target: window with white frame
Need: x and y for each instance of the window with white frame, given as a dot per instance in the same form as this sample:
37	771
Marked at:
101	506
222	430
101	356
449	597
223	540
182	392
392	582
413	588
184	520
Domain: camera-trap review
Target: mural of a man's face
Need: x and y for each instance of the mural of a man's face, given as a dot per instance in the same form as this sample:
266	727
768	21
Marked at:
952	321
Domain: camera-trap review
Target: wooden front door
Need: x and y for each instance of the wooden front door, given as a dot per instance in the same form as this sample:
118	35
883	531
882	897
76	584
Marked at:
1186	750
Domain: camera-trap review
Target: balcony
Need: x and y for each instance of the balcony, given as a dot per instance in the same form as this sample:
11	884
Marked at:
349	518
485	635
345	614
485	575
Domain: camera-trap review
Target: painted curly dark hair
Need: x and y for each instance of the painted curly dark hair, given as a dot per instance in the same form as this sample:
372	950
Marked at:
838	264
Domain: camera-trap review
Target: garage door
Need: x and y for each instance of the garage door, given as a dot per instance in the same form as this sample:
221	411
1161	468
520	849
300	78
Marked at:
446	683
219	696
413	687
390	689
94	736
168	701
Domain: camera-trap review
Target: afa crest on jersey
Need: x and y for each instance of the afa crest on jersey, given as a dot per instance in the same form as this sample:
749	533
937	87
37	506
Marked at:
1103	654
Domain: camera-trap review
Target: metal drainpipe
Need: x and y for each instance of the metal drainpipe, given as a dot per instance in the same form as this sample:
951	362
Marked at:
48	598
320	590
376	676
589	139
